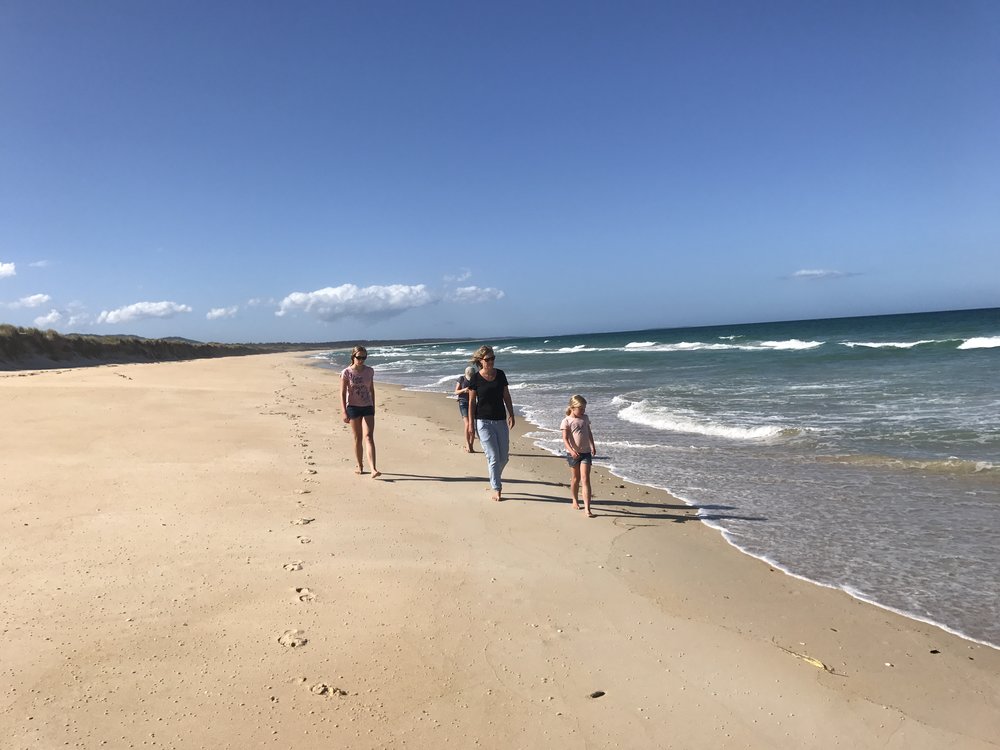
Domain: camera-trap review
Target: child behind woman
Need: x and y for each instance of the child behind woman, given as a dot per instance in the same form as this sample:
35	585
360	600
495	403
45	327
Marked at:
579	442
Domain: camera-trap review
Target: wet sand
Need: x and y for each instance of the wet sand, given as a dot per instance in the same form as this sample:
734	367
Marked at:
188	560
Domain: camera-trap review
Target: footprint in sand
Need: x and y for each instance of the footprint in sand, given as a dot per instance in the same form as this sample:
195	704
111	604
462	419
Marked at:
304	540
302	521
293	565
305	595
321	688
293	639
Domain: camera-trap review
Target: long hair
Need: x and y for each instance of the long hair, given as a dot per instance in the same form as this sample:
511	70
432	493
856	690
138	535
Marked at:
356	351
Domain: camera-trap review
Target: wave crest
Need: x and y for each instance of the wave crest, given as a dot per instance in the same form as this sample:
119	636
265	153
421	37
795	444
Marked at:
981	342
660	419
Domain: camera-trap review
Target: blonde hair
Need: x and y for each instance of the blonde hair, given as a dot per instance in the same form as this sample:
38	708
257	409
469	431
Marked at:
357	350
470	371
574	402
482	353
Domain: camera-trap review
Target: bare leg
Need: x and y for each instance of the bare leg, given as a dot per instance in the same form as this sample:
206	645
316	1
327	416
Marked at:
574	486
585	471
356	431
468	440
370	445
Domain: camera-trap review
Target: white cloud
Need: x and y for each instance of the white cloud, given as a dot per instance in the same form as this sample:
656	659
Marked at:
142	311
814	274
34	300
476	294
465	275
39	264
7	269
222	312
348	300
47	321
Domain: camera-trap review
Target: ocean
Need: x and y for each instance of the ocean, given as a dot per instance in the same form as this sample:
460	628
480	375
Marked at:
858	453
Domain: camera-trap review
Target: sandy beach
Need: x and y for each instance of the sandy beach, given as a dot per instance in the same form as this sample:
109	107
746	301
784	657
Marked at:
189	561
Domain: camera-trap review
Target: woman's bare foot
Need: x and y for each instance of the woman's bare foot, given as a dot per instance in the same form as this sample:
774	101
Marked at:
590	515
575	506
376	473
359	471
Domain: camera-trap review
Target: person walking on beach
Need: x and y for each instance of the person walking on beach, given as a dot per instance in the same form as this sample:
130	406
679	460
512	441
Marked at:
357	396
579	441
462	389
491	414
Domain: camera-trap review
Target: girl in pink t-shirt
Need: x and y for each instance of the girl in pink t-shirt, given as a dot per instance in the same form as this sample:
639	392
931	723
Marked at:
357	397
579	441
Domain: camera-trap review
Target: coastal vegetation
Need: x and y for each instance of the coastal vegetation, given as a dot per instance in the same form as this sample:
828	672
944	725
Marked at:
22	348
31	348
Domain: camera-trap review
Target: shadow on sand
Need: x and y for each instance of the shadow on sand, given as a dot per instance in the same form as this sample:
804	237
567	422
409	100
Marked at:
624	508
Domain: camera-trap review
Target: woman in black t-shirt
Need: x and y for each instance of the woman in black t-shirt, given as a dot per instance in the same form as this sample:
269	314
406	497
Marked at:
491	414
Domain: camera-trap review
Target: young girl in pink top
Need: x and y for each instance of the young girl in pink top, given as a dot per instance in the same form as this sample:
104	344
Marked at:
579	442
357	396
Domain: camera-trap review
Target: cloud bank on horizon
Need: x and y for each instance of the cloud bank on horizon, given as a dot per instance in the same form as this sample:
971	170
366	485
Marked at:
329	304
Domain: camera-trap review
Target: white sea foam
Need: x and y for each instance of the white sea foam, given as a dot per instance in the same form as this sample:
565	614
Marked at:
562	350
644	414
445	379
889	344
793	344
981	342
694	346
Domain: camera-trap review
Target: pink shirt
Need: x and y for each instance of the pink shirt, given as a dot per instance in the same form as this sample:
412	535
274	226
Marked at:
579	432
359	385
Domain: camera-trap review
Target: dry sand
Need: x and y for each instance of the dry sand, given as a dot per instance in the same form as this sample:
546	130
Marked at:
188	561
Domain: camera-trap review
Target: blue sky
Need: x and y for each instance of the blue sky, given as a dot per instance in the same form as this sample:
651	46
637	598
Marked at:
311	171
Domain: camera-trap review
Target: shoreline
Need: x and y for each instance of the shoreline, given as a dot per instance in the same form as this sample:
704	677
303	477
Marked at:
173	529
725	535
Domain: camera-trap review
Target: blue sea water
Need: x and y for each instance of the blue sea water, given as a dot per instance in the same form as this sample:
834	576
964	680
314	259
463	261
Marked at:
859	453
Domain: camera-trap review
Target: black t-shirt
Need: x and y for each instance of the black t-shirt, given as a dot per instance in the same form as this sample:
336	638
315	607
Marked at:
463	382
489	395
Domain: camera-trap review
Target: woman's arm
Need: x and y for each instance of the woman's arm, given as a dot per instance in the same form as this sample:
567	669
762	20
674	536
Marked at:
343	397
510	407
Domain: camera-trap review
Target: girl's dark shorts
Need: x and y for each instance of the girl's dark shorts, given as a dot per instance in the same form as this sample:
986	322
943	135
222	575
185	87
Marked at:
354	412
585	458
463	408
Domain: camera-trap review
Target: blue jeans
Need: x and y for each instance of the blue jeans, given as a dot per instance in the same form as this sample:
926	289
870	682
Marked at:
494	435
